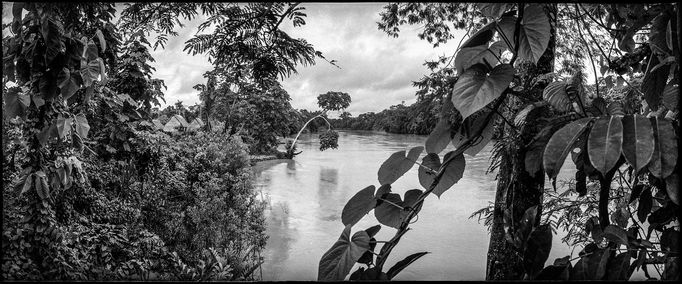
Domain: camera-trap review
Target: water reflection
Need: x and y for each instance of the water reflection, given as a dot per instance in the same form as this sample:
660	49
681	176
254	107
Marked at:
313	189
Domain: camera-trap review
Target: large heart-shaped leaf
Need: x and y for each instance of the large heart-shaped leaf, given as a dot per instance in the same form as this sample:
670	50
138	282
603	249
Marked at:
616	234
400	265
469	56
555	94
664	158
337	262
534	35
398	164
638	141
52	34
475	88
426	177
358	206
605	142
452	173
562	143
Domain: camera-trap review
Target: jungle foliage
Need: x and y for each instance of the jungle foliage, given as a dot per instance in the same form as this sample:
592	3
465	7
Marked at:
622	131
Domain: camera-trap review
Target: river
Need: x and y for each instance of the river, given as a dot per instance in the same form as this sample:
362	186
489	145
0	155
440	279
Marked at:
306	196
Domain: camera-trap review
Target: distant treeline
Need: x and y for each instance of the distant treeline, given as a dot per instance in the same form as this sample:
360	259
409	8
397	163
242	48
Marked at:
419	118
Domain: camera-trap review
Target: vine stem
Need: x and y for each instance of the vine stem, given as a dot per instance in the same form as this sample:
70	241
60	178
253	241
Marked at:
403	227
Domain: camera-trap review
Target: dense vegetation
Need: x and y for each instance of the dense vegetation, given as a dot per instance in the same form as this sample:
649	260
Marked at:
521	69
91	190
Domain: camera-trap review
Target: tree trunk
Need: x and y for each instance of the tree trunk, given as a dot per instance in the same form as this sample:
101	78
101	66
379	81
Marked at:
516	188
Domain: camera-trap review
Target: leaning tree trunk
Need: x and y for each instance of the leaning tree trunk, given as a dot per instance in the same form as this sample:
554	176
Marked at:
516	188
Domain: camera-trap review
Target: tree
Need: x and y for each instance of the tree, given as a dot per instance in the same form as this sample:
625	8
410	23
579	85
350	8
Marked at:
504	70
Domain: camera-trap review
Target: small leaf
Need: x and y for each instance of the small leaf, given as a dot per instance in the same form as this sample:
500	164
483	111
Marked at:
452	173
664	159
337	262
102	42
475	88
644	205
672	186
605	142
358	206
372	231
562	143
638	141
393	271
63	126
82	126
397	165
28	183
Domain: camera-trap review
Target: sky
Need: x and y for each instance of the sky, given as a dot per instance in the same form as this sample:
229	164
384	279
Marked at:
376	70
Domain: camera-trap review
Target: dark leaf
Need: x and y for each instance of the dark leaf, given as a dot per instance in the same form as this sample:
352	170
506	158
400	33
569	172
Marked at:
393	271
645	204
616	234
534	35
562	143
672	187
426	177
638	141
475	88
337	262
618	268
664	158
439	137
452	173
555	94
358	206
654	83
397	165
537	251
670	241
605	142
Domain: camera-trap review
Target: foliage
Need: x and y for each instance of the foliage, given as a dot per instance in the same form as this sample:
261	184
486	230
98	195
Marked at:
329	140
593	130
333	101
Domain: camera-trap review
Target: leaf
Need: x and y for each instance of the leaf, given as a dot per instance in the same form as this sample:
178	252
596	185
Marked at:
534	35
605	142
52	34
664	159
616	234
593	228
555	94
654	83
493	10
452	173
638	141
615	108
672	187
390	214
82	126
479	127
439	137
481	37
591	266
15	103
28	183
372	231
337	262
91	72
397	165
426	177
393	271
670	241
358	206
618	267
387	213
671	95
481	54
91	53
562	143
644	205
63	126
102	42
475	89
537	250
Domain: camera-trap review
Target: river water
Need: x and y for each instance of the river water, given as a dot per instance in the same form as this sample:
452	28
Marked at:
306	196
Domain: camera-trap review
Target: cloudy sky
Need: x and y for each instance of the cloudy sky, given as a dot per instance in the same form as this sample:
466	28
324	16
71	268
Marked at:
376	70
